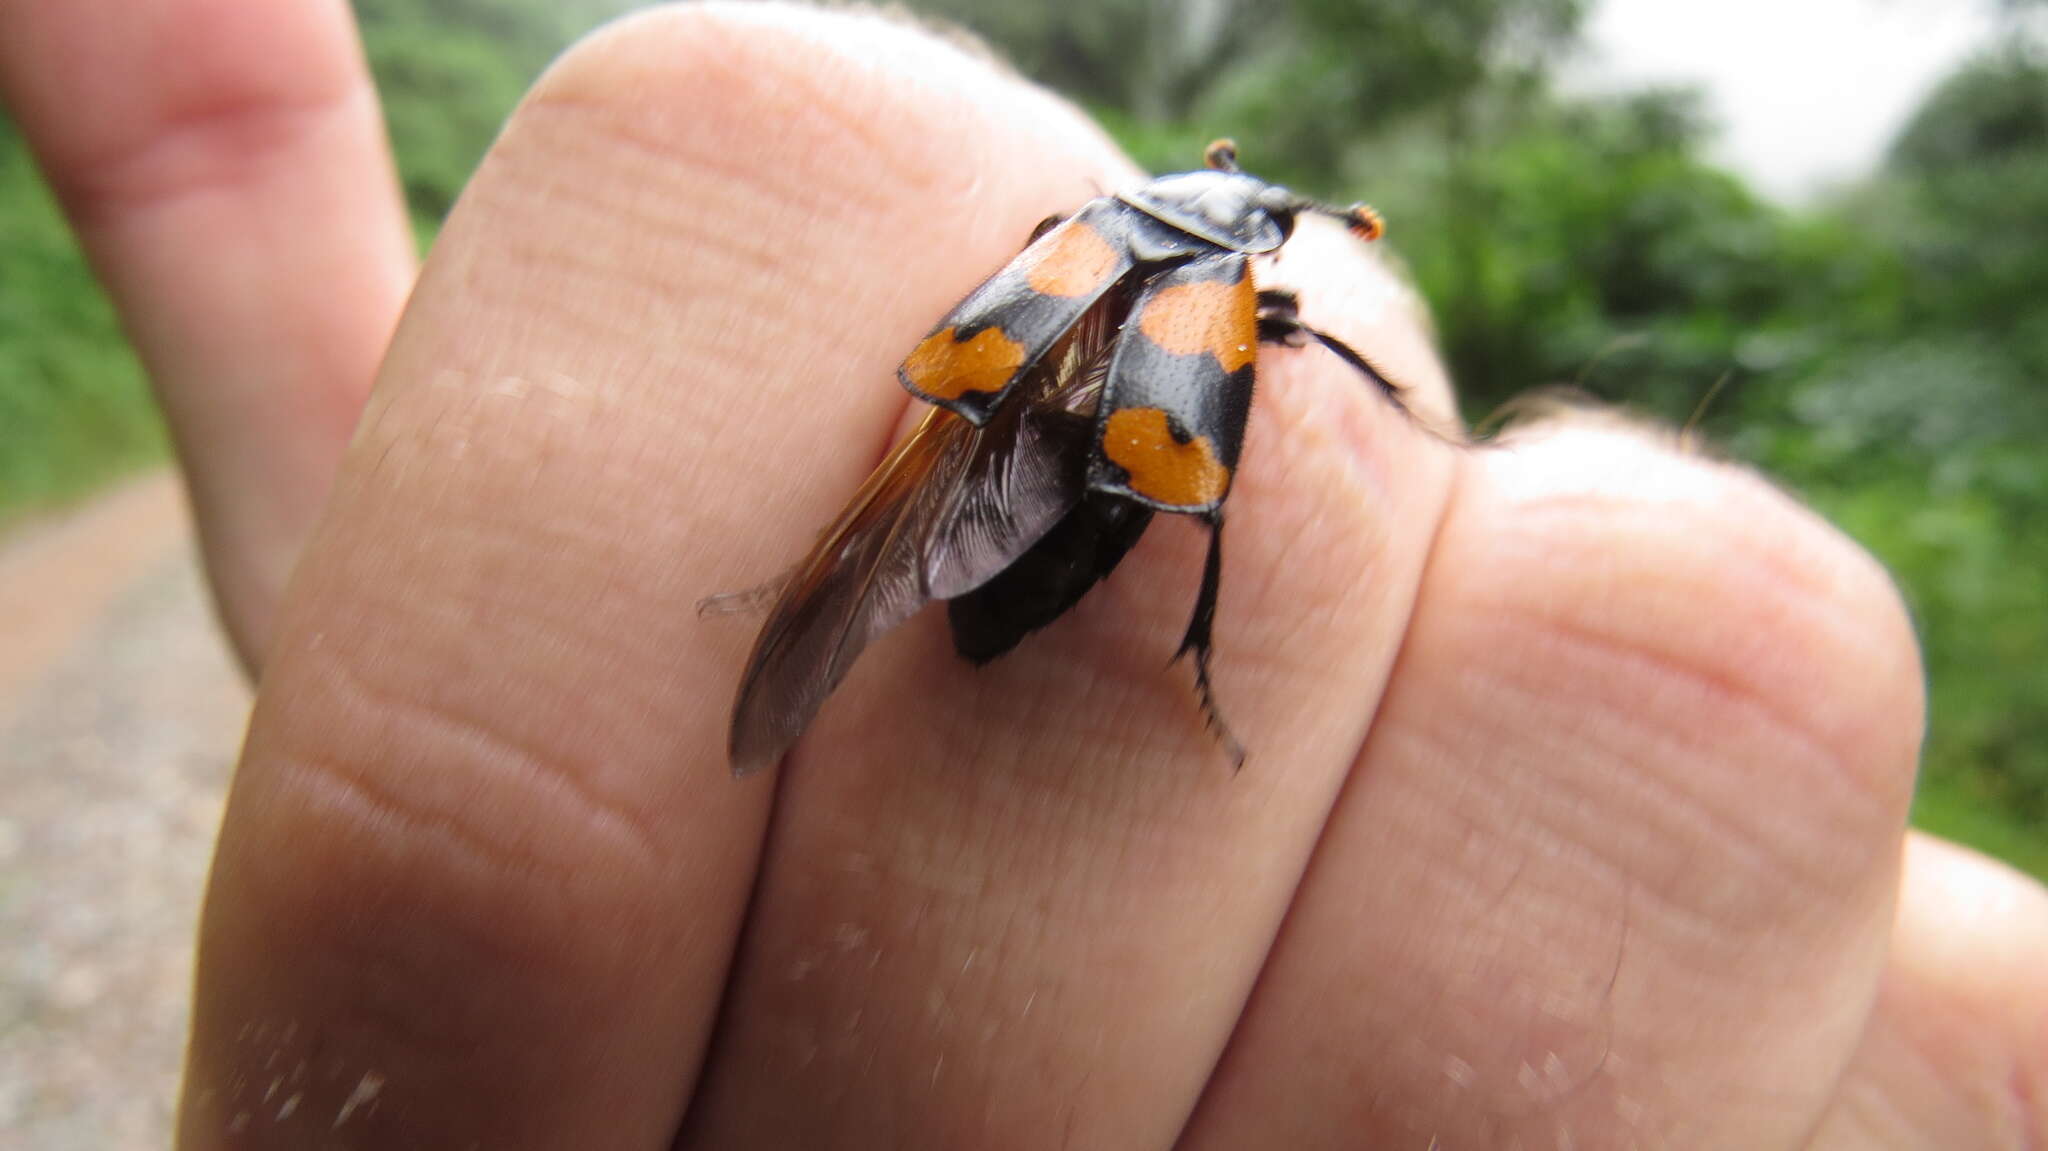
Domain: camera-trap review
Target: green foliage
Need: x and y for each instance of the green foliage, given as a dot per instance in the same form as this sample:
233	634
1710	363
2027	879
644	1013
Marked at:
1589	244
450	71
457	88
1302	78
1345	71
1921	416
1994	110
73	407
1970	181
1948	806
1150	58
1886	352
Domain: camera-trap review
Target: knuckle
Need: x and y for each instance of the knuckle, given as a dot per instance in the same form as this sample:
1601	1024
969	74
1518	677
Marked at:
1718	619
427	870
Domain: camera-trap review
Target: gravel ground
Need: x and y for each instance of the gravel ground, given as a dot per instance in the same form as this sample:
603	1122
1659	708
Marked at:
116	742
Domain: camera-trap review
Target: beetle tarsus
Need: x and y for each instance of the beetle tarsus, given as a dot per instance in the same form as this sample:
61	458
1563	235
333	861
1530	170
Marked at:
1199	642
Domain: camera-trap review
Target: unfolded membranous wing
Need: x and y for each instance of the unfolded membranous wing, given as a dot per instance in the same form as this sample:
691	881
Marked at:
950	507
1031	465
861	579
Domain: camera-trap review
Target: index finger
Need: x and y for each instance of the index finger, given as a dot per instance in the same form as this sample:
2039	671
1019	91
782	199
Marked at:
225	168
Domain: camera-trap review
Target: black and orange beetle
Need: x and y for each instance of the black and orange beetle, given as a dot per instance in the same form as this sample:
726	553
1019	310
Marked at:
1103	375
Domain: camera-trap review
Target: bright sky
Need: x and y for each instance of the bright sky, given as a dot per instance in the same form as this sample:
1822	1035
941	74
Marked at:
1808	92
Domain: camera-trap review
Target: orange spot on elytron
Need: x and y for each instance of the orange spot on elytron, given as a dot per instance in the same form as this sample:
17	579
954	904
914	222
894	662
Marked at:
1071	260
1206	316
1161	467
947	367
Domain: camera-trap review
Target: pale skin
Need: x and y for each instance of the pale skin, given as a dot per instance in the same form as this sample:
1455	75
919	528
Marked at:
1575	811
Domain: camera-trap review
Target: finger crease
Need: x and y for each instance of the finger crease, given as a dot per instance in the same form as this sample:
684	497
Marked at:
218	146
496	752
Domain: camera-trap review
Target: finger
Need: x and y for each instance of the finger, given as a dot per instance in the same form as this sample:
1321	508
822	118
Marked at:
1957	1053
1021	905
226	170
484	862
1617	866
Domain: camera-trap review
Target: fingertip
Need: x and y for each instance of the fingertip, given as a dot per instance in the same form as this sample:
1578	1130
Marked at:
1971	919
1956	1052
226	169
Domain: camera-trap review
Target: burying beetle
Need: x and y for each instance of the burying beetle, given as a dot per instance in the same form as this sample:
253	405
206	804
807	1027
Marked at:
1103	375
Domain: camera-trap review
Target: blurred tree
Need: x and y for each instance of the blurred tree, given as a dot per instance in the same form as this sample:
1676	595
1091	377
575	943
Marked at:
1922	417
73	406
1298	81
1151	59
1973	166
450	71
1886	349
1995	108
1586	242
446	92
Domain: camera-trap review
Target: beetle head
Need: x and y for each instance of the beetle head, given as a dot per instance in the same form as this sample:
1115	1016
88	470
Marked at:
1233	209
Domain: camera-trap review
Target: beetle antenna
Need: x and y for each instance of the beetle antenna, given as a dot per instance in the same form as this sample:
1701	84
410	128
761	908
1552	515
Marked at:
1221	155
1361	220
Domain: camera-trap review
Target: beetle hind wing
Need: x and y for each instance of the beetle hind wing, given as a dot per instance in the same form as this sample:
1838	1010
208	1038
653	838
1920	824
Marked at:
948	510
861	578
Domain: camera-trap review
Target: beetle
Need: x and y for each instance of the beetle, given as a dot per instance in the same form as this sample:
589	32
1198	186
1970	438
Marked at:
1102	376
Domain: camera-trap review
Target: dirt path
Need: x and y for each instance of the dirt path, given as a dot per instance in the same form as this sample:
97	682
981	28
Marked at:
120	713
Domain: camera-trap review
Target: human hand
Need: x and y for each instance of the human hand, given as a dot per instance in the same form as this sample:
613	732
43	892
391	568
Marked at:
1579	766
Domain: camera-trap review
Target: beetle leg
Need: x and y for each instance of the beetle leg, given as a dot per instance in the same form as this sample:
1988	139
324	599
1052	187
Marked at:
1198	641
1280	318
1280	324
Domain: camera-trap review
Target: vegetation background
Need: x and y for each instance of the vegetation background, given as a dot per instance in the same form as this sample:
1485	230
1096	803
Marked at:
1880	352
